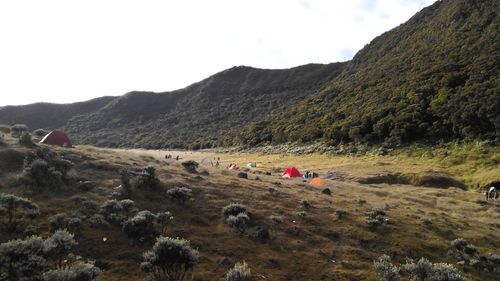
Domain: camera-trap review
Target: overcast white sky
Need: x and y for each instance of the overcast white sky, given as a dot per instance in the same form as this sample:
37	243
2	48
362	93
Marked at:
65	51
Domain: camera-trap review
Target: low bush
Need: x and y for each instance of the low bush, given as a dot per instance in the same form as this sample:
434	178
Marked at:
79	271
169	259
426	222
239	222
17	129
276	219
422	270
375	219
233	209
240	272
261	235
14	210
40	133
97	221
26	140
5	129
147	179
242	175
305	204
141	227
164	219
180	194
340	213
301	214
58	246
386	271
190	165
460	249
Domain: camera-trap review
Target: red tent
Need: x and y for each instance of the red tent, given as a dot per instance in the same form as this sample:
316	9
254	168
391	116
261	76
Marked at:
291	172
57	137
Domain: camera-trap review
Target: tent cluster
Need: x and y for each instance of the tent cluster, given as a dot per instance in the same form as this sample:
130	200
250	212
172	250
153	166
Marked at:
292	172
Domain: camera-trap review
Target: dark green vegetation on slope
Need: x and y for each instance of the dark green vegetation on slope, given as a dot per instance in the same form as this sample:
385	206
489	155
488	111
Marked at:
436	77
201	111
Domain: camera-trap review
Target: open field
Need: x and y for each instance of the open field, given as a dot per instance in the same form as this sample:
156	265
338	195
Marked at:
310	243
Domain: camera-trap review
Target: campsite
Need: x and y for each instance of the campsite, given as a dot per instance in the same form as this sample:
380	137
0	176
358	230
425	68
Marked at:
307	140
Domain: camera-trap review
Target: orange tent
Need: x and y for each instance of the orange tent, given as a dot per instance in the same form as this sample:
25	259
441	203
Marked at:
317	182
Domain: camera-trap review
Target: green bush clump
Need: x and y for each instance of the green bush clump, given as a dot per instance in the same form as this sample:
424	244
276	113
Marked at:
146	179
170	259
17	129
240	272
141	227
26	140
181	194
79	271
375	219
421	270
13	211
44	169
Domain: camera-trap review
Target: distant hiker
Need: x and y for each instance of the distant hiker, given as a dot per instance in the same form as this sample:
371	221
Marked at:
218	158
492	194
177	157
217	165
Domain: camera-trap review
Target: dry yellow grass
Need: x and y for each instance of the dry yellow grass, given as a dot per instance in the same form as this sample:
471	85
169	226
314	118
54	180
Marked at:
317	247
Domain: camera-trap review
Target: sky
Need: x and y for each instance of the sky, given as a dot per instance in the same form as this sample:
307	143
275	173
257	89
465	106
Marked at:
65	51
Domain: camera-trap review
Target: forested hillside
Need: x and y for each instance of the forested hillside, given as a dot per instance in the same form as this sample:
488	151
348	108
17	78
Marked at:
197	115
436	77
48	115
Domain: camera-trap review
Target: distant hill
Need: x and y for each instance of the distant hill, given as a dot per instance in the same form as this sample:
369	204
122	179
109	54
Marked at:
200	113
435	77
48	115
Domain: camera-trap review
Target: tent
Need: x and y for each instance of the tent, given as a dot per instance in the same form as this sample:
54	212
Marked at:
317	182
291	172
251	165
233	167
57	137
206	162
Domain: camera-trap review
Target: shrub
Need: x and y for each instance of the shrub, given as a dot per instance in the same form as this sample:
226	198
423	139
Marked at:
190	165
375	219
340	213
141	227
41	175
326	191
273	191
426	222
125	181
424	270
128	206
239	222
57	246
305	204
276	219
301	214
261	235
164	219
386	271
169	259
58	221
112	211
17	129
233	209
22	259
459	248
97	221
181	194
13	209
147	179
40	133
25	140
4	128
79	271
240	272
242	175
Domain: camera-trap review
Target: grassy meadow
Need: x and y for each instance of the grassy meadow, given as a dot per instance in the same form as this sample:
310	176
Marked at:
309	240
